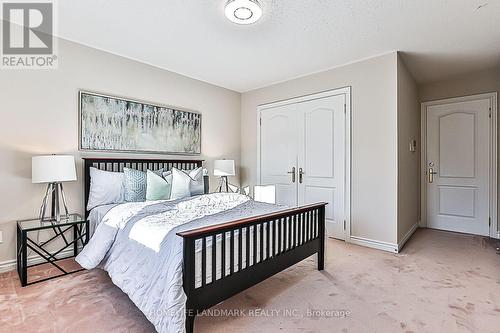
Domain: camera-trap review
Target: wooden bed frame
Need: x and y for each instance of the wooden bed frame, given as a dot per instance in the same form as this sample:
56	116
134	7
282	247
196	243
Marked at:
288	237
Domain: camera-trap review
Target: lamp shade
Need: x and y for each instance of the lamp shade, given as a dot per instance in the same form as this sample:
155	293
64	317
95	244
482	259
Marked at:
224	168
53	168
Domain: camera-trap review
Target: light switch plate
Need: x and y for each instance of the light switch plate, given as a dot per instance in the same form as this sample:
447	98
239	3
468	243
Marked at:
1	236
413	146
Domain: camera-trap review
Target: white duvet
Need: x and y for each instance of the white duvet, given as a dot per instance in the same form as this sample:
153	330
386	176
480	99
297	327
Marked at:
136	243
151	230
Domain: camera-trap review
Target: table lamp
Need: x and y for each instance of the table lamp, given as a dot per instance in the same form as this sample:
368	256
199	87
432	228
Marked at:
53	170
223	169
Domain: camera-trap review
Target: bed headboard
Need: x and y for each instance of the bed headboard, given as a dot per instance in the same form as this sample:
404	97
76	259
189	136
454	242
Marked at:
117	165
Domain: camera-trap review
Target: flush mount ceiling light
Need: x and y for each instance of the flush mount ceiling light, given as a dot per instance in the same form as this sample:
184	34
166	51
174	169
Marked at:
243	11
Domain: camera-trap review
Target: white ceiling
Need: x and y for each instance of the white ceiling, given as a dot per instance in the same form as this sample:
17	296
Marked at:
440	38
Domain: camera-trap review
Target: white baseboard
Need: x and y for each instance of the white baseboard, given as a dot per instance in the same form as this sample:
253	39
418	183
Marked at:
384	246
10	265
408	235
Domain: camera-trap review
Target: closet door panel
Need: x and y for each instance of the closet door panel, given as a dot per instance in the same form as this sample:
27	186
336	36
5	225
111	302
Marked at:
321	155
318	133
278	149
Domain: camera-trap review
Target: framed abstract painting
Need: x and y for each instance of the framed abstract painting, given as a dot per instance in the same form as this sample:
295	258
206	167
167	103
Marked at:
115	124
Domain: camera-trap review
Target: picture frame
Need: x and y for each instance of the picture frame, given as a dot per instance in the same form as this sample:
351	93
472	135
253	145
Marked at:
110	123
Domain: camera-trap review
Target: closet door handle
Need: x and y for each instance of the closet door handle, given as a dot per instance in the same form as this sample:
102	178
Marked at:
292	172
301	172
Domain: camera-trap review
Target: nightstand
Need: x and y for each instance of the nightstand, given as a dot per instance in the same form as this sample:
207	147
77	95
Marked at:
27	230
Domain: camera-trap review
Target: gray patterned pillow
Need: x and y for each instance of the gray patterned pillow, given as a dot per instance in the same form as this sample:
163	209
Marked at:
135	184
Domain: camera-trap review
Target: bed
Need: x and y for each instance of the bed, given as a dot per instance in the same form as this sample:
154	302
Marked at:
239	246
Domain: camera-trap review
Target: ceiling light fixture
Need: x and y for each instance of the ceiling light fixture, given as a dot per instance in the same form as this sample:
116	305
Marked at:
243	11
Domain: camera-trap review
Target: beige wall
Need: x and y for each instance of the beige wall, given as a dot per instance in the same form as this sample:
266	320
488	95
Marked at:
470	84
408	162
39	115
374	138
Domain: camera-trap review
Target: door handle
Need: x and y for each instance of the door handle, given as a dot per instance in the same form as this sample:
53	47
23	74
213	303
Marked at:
431	174
301	172
292	172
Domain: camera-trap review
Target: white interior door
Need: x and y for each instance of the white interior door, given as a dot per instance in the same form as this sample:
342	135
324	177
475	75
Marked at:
458	149
278	151
321	158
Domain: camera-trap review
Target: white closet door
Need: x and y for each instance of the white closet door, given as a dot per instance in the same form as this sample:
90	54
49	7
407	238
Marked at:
279	152
321	155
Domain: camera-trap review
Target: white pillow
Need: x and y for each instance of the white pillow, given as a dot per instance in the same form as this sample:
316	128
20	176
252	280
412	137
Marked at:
186	184
106	187
197	184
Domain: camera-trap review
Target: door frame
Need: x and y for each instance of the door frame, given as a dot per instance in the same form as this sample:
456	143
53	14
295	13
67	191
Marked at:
494	228
348	123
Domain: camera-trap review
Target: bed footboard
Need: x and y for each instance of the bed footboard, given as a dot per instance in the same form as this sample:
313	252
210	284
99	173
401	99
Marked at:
231	257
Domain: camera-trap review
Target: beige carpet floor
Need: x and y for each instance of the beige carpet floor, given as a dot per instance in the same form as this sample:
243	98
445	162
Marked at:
441	282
